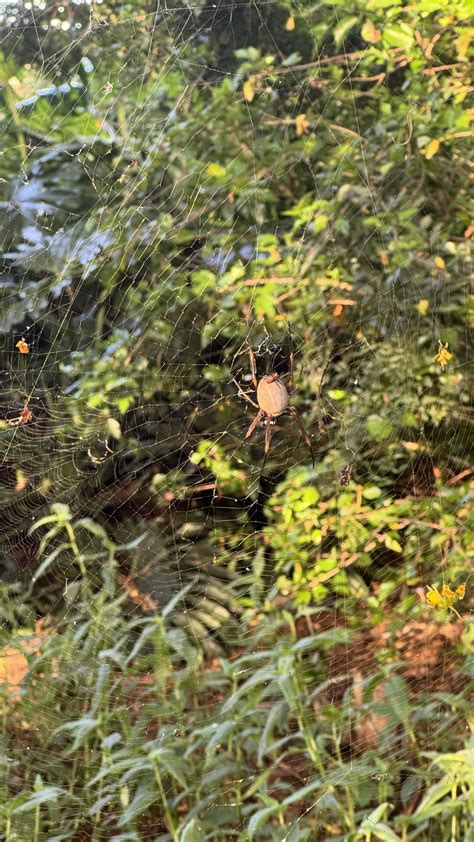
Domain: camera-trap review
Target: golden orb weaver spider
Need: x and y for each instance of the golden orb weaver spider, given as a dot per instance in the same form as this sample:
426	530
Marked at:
273	401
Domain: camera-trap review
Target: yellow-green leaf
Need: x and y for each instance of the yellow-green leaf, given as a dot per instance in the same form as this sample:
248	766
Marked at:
392	544
369	32
216	170
462	43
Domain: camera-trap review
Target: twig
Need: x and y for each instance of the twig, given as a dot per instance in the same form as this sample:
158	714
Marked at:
467	473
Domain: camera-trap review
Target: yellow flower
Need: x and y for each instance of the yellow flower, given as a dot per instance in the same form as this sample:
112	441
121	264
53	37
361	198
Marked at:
447	598
434	598
443	356
290	24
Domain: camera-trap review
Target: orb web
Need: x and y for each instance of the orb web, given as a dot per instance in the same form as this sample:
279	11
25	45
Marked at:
179	200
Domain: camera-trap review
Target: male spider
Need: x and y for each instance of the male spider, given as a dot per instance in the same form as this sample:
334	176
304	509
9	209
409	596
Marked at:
272	402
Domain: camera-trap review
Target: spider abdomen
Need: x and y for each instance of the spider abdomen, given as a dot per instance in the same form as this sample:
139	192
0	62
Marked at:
272	395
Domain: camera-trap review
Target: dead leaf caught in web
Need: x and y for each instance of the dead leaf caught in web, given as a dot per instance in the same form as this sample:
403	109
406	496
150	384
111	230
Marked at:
443	356
23	346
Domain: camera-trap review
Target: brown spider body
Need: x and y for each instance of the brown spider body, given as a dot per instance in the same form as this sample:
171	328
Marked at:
272	395
273	401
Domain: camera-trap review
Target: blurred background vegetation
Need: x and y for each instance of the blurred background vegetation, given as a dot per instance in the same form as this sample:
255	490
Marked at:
197	645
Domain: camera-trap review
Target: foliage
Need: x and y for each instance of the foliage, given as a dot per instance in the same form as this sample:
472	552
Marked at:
227	650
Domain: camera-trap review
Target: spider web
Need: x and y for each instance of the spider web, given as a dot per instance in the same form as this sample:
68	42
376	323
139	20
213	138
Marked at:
124	282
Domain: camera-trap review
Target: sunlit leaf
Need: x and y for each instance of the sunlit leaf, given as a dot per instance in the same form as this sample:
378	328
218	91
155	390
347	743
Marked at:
249	89
431	149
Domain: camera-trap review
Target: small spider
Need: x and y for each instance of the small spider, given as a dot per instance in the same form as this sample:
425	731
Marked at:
272	401
346	474
24	417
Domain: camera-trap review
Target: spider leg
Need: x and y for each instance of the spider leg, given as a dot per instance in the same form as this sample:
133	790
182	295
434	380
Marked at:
268	437
253	367
290	374
254	423
295	414
244	394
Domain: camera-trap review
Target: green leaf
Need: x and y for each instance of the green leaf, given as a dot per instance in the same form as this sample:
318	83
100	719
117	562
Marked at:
192	832
277	714
380	830
372	492
301	794
341	30
43	796
92	527
377	5
398	36
48	561
377	814
431	798
396	693
171	605
379	428
220	734
393	544
173	764
261	676
411	785
260	817
142	800
80	729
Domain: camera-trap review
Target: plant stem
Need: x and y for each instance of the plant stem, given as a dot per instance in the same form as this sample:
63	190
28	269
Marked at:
78	556
122	122
37	823
99	327
350	801
454	817
9	97
164	801
311	744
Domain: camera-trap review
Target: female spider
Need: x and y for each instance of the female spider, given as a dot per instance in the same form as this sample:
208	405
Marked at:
272	401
